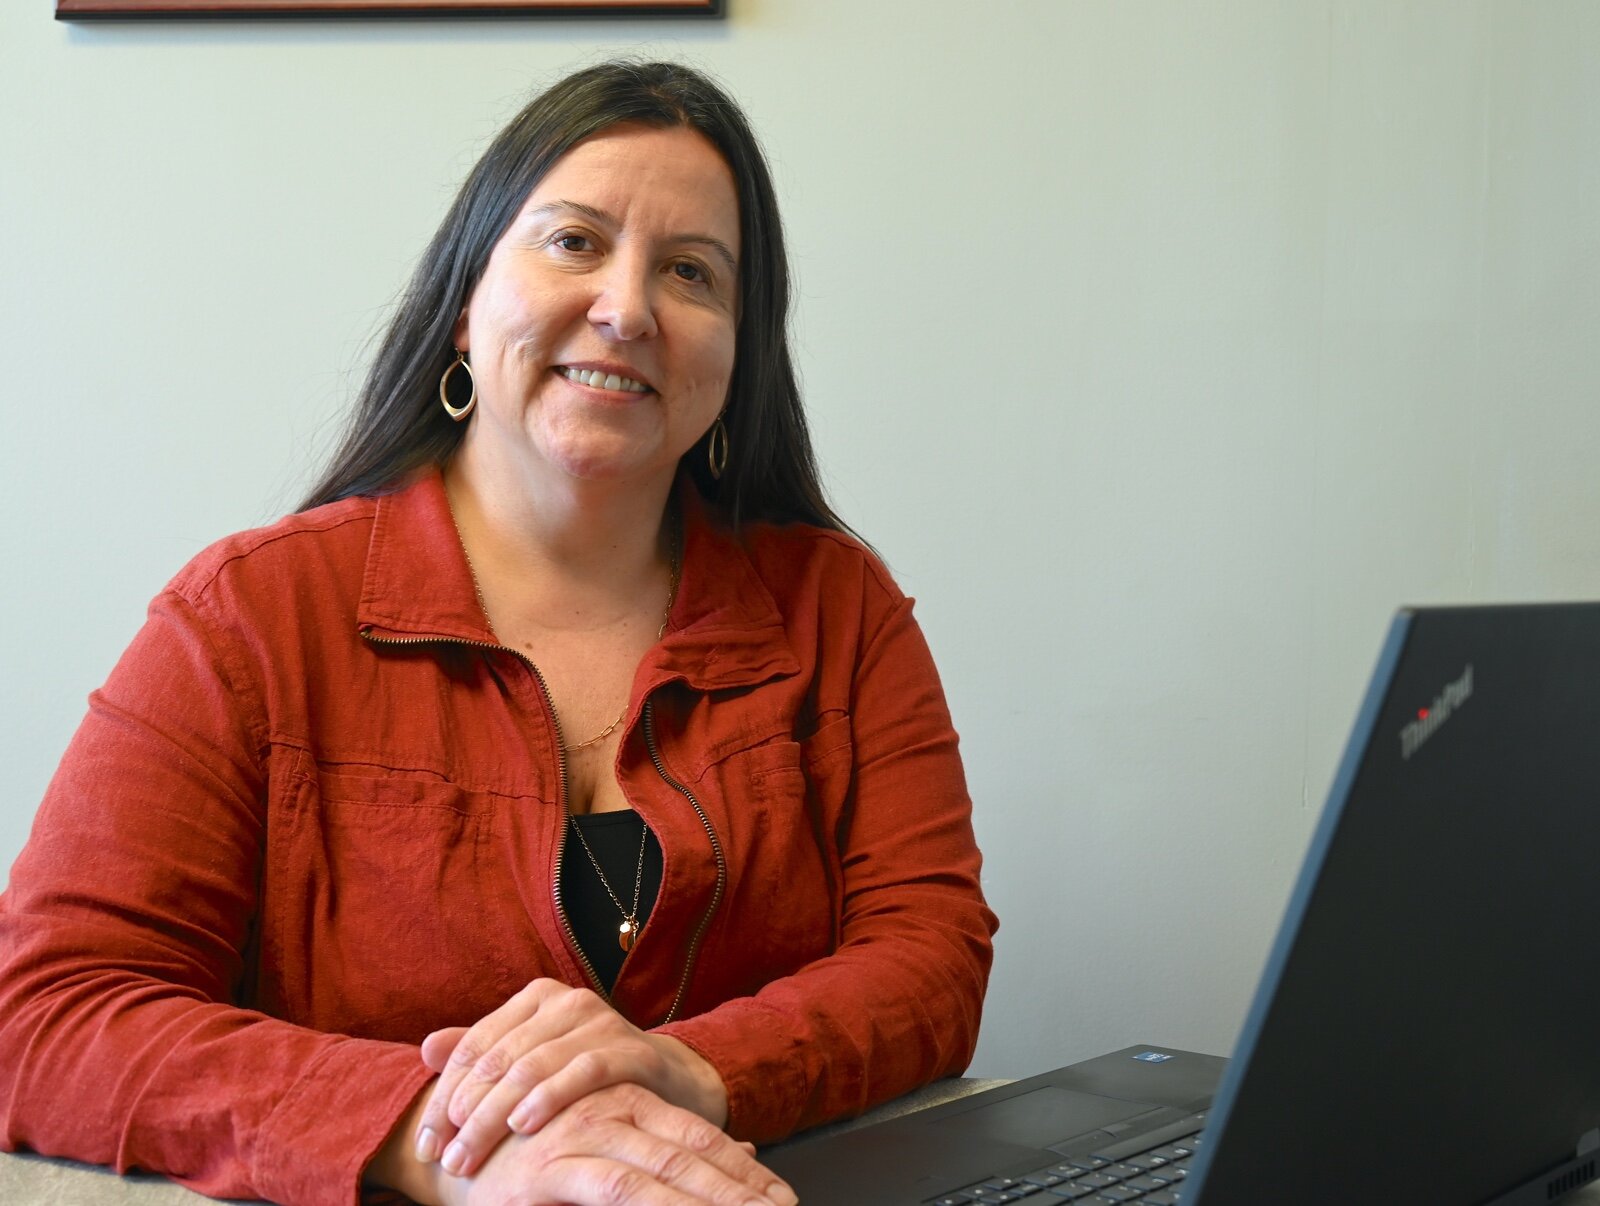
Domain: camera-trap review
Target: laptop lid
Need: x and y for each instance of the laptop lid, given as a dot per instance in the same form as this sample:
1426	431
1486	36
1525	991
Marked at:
1427	1027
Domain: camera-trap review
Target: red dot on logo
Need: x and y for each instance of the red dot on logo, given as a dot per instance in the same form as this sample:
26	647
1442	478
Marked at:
1422	713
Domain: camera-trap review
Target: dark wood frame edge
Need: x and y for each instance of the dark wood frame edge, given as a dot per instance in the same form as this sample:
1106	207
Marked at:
333	10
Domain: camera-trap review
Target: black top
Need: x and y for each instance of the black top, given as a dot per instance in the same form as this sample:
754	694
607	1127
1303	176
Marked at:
614	839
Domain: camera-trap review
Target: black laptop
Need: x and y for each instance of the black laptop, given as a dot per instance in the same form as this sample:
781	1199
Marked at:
1427	1026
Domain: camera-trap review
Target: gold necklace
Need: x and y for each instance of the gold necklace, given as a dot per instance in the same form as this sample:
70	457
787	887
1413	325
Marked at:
676	566
628	931
672	597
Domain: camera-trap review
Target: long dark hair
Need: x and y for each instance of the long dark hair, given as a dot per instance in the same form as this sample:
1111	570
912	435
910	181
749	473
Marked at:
398	425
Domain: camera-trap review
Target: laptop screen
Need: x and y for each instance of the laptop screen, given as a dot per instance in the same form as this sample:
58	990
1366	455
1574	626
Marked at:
1426	1026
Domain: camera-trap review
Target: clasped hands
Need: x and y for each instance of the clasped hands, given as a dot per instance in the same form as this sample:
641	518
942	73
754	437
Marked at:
556	1086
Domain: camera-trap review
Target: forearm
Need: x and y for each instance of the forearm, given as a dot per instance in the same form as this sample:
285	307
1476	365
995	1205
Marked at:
122	1070
879	1018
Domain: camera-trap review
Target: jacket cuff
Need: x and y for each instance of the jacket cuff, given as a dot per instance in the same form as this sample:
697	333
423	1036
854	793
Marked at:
762	1068
315	1146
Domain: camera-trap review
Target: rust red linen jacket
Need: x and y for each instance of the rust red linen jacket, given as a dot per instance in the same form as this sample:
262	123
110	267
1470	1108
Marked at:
316	813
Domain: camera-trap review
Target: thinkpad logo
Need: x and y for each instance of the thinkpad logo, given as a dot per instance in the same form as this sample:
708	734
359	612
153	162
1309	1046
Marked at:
1430	720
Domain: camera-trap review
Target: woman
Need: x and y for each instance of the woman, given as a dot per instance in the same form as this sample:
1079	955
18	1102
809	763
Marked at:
567	712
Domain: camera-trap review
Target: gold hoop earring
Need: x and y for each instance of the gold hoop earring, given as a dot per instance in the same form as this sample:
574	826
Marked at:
717	448
458	413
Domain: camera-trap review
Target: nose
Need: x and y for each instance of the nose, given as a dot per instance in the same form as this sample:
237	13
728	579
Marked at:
624	301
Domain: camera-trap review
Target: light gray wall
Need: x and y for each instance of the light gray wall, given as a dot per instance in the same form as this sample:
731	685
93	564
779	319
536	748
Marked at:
1164	348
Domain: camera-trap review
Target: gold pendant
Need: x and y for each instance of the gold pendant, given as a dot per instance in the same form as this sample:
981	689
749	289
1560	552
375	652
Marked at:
627	932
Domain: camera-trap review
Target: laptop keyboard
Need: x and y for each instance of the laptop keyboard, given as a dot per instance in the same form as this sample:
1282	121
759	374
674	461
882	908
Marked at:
1151	1176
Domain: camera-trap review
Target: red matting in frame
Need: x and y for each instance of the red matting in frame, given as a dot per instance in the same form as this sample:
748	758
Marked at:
85	9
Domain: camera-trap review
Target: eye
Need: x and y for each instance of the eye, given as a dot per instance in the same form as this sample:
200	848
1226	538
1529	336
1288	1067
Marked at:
687	270
568	241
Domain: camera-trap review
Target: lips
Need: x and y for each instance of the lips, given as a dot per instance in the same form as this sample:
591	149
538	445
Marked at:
600	379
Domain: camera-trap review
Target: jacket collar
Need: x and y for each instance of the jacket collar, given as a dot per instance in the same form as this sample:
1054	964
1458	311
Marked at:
724	630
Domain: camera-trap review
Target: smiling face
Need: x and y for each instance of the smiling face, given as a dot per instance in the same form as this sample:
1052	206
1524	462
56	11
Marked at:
601	334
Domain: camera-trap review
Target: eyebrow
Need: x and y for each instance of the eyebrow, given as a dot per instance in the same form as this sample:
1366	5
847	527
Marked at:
551	209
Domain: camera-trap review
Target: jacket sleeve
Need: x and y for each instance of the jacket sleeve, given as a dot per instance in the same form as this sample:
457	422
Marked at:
897	1004
123	949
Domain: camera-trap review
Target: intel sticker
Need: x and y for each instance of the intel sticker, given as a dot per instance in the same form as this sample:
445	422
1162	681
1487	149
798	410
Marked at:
1153	1057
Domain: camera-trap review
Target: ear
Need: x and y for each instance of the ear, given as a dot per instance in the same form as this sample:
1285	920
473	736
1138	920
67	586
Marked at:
459	332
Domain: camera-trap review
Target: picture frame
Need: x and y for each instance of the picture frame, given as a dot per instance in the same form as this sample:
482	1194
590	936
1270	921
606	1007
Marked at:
74	10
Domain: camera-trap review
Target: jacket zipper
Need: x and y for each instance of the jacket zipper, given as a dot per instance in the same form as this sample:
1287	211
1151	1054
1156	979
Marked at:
561	767
716	851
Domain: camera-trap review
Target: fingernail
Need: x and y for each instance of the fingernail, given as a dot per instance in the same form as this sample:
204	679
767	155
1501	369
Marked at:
783	1196
519	1118
455	1159
427	1145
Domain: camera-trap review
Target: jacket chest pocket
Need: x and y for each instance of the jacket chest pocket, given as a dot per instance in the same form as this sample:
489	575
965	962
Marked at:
782	804
387	908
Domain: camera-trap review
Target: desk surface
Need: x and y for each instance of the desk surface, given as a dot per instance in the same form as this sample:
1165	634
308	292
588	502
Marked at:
28	1180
